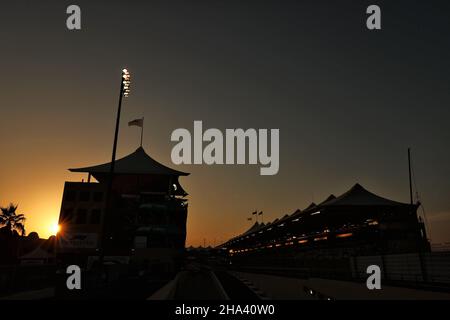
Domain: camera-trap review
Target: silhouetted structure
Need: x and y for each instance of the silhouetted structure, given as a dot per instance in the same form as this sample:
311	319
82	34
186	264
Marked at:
356	223
147	213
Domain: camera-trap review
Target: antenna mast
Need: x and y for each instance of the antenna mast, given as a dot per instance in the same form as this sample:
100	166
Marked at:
410	180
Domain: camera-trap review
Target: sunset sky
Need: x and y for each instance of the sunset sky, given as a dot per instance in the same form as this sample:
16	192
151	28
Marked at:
348	101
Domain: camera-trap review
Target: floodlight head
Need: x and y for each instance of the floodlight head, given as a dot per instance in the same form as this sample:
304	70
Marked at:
126	83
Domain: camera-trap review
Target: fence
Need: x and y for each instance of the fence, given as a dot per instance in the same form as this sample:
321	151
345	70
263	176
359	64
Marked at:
16	278
430	267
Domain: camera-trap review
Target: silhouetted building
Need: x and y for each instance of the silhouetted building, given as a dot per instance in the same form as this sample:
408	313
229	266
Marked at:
144	219
356	223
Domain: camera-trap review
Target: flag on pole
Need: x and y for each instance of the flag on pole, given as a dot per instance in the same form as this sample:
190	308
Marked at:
137	122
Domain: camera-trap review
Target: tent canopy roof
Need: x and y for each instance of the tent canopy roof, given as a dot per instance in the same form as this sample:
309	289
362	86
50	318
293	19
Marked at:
330	197
310	207
38	253
253	228
358	196
138	162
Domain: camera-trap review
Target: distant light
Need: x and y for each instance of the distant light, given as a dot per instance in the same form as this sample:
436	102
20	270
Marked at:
344	235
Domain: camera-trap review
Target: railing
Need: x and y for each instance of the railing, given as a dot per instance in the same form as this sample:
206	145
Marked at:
426	270
16	278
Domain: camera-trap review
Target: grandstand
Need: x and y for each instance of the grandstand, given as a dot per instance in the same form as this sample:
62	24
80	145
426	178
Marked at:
355	223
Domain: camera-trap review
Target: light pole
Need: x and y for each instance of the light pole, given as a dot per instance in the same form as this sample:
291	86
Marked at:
125	82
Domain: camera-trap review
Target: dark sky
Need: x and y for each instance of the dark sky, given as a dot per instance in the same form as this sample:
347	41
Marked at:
348	101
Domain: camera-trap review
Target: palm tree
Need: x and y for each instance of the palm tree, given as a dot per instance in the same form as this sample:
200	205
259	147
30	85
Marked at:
11	220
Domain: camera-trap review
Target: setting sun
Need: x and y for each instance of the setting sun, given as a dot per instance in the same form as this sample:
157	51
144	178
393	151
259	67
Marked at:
55	228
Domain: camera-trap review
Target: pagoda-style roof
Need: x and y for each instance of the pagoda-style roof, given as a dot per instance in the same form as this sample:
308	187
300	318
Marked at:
138	162
358	196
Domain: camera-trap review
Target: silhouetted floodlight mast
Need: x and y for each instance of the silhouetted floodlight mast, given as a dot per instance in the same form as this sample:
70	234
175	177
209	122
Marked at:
125	82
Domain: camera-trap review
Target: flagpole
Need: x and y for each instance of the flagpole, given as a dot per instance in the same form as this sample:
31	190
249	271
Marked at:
142	130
